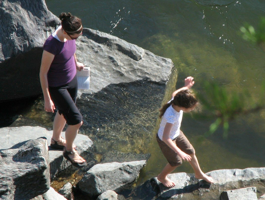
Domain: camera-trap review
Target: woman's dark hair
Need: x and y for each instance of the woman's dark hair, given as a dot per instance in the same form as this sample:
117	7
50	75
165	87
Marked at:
184	98
70	23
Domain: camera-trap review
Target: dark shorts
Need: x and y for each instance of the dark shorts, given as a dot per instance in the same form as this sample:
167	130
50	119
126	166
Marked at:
182	142
64	99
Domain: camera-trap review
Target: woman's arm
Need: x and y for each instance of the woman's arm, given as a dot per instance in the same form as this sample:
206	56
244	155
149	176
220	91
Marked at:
79	66
189	82
46	62
173	145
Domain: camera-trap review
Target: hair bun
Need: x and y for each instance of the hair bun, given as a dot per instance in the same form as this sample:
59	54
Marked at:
65	16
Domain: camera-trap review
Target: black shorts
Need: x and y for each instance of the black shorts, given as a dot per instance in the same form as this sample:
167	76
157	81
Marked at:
64	99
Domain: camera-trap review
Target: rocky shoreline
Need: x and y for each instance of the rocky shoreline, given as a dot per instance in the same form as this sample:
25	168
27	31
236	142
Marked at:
128	85
28	166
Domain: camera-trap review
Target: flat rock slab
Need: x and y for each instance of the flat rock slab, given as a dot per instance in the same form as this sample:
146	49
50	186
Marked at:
24	171
17	136
242	194
187	186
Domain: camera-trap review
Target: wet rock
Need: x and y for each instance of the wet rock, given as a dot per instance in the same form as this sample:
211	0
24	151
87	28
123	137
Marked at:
108	195
242	194
24	171
110	176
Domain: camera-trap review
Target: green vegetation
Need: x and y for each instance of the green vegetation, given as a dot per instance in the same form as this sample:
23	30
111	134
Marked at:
226	106
256	36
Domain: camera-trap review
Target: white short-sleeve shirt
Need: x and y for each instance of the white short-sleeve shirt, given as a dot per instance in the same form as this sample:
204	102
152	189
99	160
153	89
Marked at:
173	117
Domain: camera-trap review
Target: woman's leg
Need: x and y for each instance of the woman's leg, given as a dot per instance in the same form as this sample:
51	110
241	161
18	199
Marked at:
162	177
58	126
70	135
199	174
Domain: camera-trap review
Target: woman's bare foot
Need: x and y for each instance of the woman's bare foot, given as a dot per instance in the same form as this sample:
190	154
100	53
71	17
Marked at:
205	177
166	181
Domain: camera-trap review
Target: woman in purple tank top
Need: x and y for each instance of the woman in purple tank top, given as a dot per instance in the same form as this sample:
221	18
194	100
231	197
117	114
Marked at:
59	85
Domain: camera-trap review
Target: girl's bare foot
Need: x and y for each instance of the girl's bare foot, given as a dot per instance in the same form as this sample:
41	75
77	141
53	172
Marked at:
205	177
166	181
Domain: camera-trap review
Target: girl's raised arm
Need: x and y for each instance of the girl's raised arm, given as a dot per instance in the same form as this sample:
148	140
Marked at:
189	82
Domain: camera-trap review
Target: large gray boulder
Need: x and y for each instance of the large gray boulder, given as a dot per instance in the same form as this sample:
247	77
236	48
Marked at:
112	60
110	176
24	26
17	136
24	171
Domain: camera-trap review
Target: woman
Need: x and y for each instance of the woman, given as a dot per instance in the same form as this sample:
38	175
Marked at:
59	85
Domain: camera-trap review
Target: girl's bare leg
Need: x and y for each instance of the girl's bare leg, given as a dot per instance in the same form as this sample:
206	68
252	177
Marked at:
162	177
199	174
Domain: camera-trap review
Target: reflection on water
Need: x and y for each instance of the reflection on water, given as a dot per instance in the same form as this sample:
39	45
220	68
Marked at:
202	38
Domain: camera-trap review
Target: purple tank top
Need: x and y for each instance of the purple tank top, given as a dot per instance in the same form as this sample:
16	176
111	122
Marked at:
63	68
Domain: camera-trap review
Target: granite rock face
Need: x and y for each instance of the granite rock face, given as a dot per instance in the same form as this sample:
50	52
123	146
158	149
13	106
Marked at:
15	137
24	171
24	26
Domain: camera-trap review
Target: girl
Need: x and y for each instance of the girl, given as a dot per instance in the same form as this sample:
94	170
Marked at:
59	84
171	140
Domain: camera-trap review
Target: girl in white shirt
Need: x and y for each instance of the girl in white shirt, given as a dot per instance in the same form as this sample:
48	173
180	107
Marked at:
173	143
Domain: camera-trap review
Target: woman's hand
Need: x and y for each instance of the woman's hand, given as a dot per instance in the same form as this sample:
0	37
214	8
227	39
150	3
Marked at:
79	66
49	106
184	156
189	82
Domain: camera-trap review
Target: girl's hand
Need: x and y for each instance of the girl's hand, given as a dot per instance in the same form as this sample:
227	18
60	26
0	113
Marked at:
189	82
49	106
184	156
79	66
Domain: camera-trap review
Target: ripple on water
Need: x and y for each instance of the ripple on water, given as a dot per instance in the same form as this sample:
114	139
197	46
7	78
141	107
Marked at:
215	2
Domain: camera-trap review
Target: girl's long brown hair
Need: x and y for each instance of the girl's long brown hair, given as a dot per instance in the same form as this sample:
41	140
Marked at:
184	98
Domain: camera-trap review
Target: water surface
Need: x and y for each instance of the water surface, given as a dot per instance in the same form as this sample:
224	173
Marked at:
203	40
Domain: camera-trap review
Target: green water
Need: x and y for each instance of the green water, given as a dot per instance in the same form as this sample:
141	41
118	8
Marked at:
203	40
